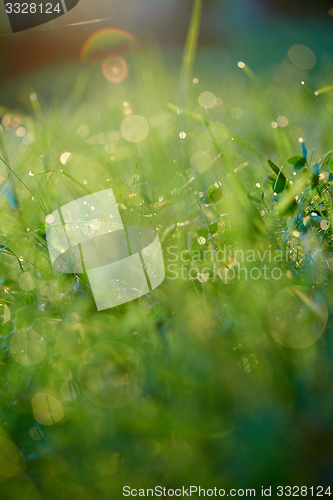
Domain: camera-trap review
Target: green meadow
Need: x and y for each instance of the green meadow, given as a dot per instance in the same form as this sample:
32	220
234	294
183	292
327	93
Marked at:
220	377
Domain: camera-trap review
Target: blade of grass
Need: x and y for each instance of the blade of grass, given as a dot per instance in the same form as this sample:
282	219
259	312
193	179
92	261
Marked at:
189	57
12	171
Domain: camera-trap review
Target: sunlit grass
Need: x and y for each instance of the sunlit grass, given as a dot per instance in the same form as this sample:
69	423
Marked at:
222	368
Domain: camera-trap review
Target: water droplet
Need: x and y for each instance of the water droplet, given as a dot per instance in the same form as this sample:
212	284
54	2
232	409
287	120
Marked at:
302	56
49	219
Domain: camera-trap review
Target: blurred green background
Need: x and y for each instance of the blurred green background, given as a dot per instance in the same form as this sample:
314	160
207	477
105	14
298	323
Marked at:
219	377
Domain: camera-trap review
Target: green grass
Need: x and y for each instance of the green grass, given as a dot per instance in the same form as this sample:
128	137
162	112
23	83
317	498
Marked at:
222	403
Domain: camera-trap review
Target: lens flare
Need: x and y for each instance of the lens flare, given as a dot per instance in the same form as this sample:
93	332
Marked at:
104	43
46	408
115	69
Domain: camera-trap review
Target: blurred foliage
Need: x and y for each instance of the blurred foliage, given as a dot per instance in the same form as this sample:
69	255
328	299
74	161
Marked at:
221	376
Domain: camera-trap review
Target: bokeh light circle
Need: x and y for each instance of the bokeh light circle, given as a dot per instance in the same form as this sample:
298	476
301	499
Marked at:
26	282
302	56
115	69
46	408
200	161
73	342
11	459
134	128
69	390
111	375
106	42
27	347
297	317
36	434
207	99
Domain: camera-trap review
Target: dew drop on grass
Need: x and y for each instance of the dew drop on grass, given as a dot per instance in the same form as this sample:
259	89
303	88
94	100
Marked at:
182	135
